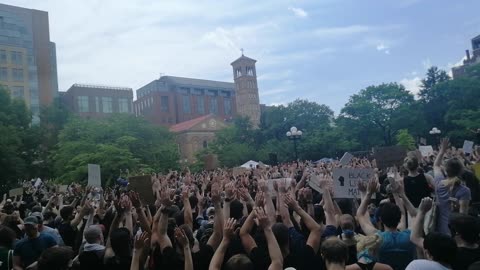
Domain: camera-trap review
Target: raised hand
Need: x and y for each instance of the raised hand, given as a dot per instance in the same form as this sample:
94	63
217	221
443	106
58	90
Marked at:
141	241
165	197
260	199
425	205
290	202
135	199
262	184
282	185
372	186
229	229
229	188
185	192
262	218
215	192
181	238
444	143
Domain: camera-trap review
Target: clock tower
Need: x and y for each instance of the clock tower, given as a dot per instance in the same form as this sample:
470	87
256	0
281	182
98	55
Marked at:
246	88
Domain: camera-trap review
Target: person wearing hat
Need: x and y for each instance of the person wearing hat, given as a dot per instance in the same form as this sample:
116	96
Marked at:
28	250
43	229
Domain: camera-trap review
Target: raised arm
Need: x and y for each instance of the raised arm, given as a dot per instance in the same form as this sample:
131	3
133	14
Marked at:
144	223
315	229
182	240
325	184
439	159
187	208
417	231
218	220
273	247
163	239
228	233
141	241
269	207
247	240
362	218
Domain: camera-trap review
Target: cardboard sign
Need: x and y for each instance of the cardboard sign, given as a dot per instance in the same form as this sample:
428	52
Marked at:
426	150
63	188
345	181
314	184
211	162
271	189
468	147
389	156
143	185
239	171
94	179
15	192
345	160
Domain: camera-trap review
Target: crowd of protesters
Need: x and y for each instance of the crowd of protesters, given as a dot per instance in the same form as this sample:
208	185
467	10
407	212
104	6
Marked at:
422	215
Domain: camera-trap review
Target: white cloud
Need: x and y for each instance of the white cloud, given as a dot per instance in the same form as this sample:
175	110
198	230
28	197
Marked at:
412	84
331	32
383	48
426	63
299	12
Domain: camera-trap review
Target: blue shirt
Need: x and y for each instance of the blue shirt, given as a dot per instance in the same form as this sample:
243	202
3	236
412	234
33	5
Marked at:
396	245
29	250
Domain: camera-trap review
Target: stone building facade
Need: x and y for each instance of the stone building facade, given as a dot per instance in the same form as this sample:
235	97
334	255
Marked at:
470	60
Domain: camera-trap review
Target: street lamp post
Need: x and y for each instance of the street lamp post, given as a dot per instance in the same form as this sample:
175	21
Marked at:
294	134
435	132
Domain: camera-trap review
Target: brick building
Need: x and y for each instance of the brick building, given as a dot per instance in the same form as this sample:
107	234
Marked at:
196	134
470	60
171	100
28	64
97	101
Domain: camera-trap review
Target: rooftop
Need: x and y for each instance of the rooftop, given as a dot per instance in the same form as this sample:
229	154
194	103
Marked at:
198	82
189	124
243	57
98	86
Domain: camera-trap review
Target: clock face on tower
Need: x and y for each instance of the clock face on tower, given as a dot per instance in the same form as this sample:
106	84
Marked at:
212	123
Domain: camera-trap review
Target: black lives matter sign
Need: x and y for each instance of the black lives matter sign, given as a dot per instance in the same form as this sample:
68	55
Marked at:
345	181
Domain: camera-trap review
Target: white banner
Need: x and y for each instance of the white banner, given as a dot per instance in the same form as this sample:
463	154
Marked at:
468	147
94	179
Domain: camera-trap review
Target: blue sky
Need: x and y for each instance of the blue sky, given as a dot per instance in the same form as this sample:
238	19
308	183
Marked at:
321	50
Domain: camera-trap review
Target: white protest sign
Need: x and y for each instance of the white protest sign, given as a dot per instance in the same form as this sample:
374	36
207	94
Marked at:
345	160
38	182
271	189
94	179
426	150
314	184
467	147
15	192
345	181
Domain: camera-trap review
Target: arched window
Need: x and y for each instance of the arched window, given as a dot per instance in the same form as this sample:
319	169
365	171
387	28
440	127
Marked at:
205	144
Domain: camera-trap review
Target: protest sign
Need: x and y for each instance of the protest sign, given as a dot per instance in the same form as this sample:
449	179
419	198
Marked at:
239	171
271	189
345	181
389	156
15	192
94	179
423	141
467	147
63	188
314	184
211	162
345	160
143	185
426	150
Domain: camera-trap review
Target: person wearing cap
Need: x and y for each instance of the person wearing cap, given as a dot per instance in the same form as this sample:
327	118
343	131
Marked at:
28	250
43	229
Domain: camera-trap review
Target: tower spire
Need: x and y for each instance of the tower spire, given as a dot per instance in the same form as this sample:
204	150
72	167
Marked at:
242	51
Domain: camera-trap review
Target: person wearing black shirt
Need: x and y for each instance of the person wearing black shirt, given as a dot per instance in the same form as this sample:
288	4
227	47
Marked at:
417	185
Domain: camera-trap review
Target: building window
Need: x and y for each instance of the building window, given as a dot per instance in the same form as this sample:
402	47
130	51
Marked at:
250	71
17	74
16	57
123	105
201	104
3	74
3	57
213	105
82	102
97	104
186	104
107	104
164	104
238	72
17	92
227	106
205	144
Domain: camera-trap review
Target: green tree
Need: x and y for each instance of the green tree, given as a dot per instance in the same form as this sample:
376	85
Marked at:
118	142
381	110
405	139
433	77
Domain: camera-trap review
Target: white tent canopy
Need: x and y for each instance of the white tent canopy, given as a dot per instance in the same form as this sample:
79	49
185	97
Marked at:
250	164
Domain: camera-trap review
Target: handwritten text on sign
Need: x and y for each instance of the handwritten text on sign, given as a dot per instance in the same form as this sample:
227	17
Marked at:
345	181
